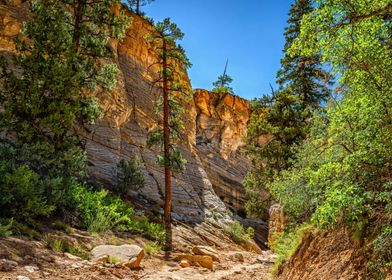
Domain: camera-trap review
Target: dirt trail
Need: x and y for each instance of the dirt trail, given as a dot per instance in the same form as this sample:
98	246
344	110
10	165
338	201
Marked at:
254	266
31	259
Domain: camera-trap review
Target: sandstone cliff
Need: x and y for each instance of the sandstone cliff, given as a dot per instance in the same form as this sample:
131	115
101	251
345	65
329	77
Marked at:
215	124
325	255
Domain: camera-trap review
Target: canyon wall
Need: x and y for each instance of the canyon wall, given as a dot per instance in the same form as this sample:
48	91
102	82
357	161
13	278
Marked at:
215	123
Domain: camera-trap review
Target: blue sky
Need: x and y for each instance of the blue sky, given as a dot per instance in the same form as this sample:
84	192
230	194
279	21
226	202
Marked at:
249	33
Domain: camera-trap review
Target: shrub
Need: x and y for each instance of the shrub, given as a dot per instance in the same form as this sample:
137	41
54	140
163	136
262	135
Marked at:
238	233
382	254
284	244
129	176
22	193
97	210
5	228
59	225
152	248
149	230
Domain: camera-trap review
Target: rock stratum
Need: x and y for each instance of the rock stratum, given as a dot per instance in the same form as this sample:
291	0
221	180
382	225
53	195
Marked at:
215	123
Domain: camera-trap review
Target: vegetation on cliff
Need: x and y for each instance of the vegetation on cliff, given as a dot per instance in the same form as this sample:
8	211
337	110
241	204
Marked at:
340	174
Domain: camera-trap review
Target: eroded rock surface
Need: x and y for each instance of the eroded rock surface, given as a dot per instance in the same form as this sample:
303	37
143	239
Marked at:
214	123
325	255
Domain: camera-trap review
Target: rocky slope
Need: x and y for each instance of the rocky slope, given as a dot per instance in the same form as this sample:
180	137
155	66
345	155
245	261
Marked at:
215	124
325	255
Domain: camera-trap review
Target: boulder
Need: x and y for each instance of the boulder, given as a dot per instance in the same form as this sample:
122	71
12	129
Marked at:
251	246
197	260
131	255
276	220
7	265
206	251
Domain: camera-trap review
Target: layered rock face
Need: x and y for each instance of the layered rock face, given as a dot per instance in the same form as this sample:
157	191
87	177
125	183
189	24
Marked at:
214	123
221	124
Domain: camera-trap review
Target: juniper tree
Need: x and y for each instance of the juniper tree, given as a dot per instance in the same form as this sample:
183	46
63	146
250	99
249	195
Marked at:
171	60
62	56
283	117
136	4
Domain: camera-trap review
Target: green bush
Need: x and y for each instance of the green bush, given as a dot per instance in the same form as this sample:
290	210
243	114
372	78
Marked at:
6	228
284	244
147	229
97	210
22	193
238	233
129	176
381	261
152	248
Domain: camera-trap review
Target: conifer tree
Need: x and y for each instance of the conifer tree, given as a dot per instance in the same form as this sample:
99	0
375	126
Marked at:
283	117
171	60
136	4
61	57
222	84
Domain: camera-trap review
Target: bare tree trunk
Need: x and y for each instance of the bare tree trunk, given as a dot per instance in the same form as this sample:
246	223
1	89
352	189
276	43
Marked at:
166	144
138	7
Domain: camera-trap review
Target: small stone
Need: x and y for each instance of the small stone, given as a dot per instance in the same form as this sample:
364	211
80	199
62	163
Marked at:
28	258
7	265
76	266
47	258
237	257
184	263
20	277
172	264
72	257
31	268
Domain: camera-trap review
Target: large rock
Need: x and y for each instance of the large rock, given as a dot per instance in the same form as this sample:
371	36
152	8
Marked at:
276	220
197	260
206	251
132	255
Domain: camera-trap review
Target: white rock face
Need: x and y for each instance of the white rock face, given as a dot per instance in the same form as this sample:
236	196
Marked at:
123	253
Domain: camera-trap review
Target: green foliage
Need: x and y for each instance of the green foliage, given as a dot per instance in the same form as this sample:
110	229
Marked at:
22	193
281	120
381	261
341	175
97	210
59	225
129	176
148	229
61	57
238	233
344	165
6	227
222	84
112	260
152	248
284	244
172	60
58	244
135	5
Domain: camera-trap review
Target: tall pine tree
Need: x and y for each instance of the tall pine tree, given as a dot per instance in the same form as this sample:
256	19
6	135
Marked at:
281	120
136	4
171	60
